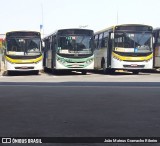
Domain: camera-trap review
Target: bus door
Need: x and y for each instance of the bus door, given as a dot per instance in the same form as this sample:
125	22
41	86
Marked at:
109	50
53	58
98	56
157	55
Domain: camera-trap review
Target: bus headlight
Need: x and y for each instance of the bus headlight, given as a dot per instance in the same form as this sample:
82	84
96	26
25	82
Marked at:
89	61
149	60
61	60
117	58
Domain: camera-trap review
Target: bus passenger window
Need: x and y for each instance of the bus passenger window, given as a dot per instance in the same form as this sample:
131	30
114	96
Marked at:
105	42
100	41
96	42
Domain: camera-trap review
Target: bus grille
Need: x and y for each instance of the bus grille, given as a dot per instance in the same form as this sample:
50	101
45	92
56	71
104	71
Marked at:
133	66
24	67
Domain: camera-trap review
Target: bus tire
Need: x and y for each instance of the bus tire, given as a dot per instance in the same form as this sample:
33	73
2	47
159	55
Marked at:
111	71
45	69
135	72
54	71
84	72
8	73
36	72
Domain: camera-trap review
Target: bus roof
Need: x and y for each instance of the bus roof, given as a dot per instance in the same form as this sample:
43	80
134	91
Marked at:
156	29
23	33
55	32
113	27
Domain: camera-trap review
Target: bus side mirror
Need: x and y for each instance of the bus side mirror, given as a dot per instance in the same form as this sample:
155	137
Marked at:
43	45
112	35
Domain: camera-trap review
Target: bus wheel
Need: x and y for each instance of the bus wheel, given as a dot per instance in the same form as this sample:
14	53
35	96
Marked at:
8	73
45	69
84	72
110	71
135	72
36	72
54	72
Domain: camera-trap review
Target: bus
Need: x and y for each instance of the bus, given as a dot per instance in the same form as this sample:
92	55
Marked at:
156	48
69	49
124	47
23	51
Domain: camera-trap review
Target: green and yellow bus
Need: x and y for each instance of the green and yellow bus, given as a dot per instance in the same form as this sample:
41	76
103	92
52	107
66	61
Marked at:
69	49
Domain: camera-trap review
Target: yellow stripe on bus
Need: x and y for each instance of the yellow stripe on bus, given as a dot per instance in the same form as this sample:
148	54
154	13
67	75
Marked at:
23	61
128	58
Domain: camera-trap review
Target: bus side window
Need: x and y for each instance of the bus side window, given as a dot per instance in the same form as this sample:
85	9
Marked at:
96	41
106	42
52	43
106	35
100	41
92	44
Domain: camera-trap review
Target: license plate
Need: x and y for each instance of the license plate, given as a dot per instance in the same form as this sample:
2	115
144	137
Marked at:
134	65
24	67
75	65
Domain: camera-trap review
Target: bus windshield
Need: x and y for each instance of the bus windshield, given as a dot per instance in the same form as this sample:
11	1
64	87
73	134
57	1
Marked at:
80	44
142	42
24	46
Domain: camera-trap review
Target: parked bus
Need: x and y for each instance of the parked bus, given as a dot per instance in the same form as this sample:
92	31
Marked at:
156	49
23	51
124	47
69	49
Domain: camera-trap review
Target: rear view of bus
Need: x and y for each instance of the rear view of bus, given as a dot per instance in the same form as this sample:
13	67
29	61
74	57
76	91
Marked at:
69	49
23	51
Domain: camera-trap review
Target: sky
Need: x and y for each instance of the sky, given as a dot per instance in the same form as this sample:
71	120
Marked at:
91	14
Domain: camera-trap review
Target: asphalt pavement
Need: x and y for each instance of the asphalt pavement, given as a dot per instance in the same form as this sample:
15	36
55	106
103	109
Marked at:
77	109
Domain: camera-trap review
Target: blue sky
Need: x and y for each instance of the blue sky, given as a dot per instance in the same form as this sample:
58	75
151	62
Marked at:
97	14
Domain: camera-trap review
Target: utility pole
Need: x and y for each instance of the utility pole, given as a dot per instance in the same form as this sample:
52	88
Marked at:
42	23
